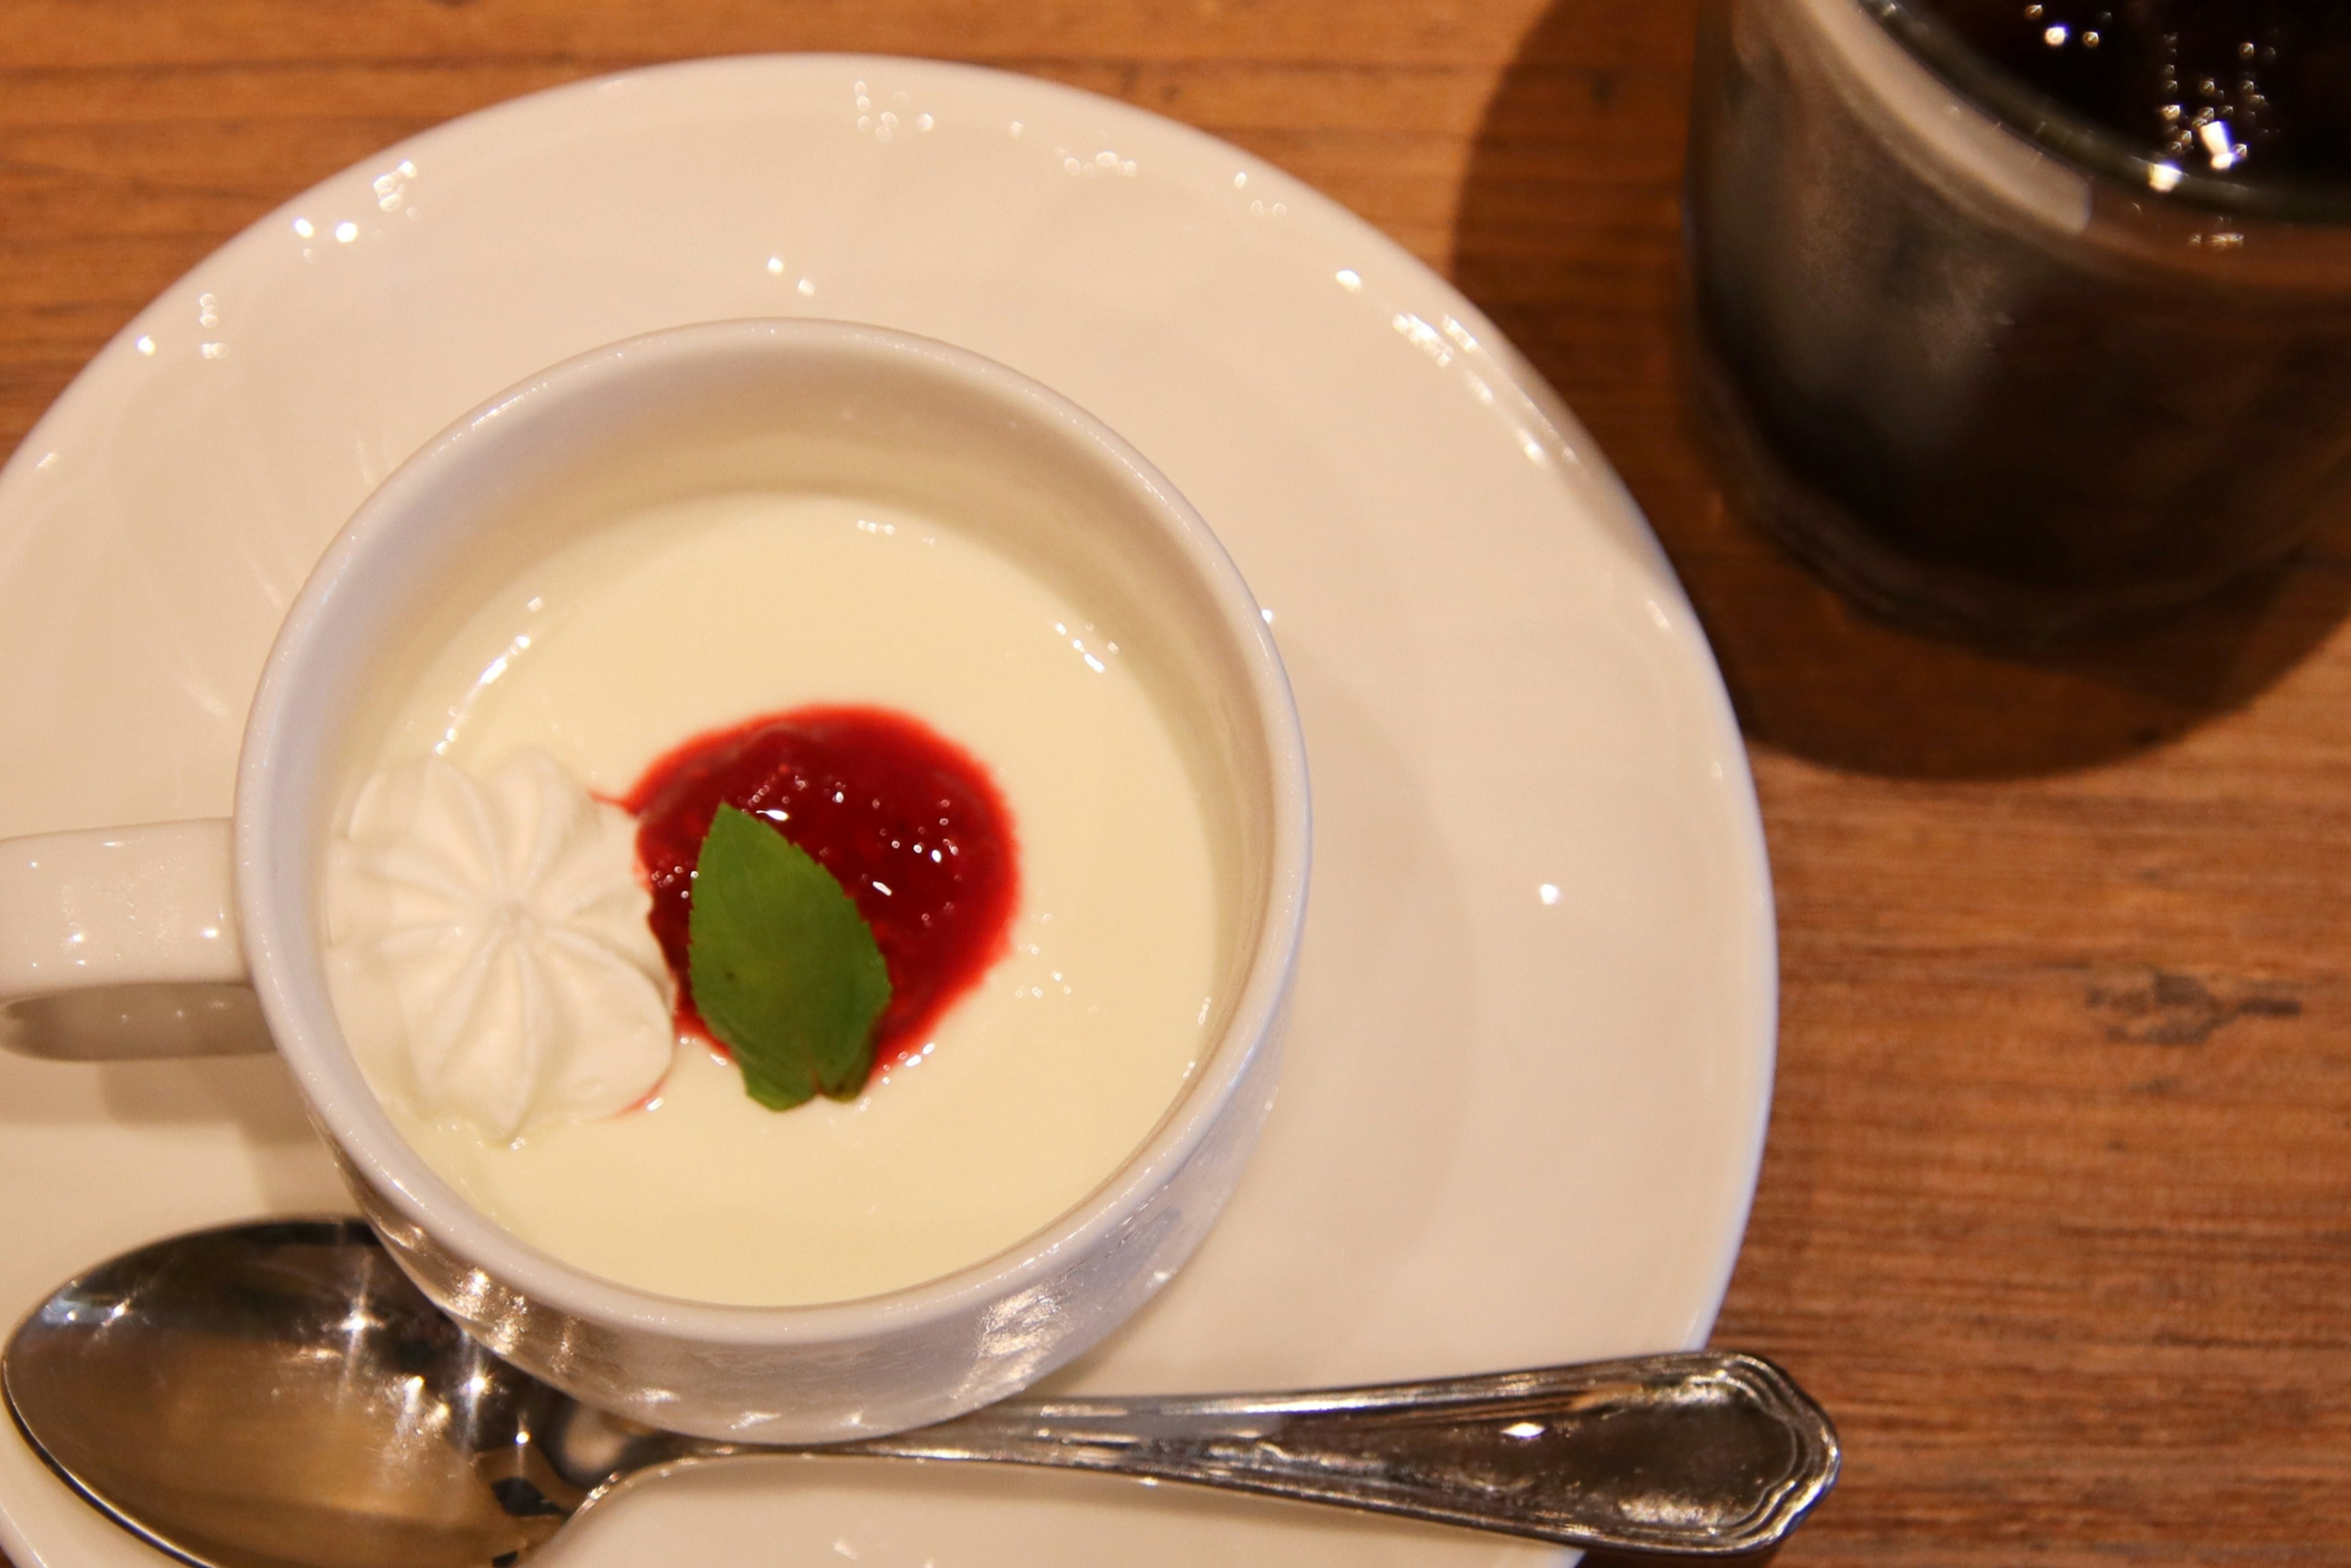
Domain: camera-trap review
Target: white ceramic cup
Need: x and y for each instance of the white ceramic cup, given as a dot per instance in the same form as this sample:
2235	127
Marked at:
142	940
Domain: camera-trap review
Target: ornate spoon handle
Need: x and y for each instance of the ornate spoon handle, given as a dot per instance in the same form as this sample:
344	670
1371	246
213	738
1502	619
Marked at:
1706	1453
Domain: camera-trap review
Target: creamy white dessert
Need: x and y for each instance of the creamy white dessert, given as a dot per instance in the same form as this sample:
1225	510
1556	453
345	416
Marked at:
1030	1090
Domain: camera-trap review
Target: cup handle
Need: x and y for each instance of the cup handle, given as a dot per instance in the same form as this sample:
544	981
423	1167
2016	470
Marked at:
121	943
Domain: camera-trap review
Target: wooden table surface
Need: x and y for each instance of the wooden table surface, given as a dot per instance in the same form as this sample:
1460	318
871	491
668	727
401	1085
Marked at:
2054	1216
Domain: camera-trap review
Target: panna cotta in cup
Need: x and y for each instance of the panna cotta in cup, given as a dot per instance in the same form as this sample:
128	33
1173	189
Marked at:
508	899
767	583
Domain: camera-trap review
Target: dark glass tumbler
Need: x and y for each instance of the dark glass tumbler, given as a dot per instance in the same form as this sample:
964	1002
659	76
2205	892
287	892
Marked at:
1989	368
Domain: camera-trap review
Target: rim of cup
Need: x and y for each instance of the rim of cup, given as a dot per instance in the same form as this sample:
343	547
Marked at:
274	888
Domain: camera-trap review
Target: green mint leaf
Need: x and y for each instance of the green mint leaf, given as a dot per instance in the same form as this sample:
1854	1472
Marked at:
784	971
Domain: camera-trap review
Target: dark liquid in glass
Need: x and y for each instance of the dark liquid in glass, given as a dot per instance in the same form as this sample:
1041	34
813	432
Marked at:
1976	418
2247	88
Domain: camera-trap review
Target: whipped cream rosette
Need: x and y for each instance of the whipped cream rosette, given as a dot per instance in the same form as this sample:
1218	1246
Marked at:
487	944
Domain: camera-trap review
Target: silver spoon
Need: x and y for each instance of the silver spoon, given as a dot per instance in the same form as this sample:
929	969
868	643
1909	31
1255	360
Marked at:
279	1395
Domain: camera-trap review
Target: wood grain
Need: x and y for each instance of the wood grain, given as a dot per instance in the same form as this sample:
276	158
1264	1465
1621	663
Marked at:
2054	1216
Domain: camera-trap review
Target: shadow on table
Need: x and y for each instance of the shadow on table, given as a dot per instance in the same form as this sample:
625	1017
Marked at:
1569	235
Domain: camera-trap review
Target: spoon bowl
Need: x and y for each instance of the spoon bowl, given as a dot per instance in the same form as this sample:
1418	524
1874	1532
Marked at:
280	1395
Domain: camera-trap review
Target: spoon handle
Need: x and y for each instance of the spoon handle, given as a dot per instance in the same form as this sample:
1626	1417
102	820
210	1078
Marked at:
1706	1453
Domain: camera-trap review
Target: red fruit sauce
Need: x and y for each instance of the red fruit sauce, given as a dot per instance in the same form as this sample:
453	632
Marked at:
907	821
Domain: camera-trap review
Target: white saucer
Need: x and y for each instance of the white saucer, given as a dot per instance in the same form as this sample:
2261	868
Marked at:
1532	1052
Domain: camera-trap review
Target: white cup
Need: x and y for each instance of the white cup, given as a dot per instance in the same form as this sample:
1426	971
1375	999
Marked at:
142	940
